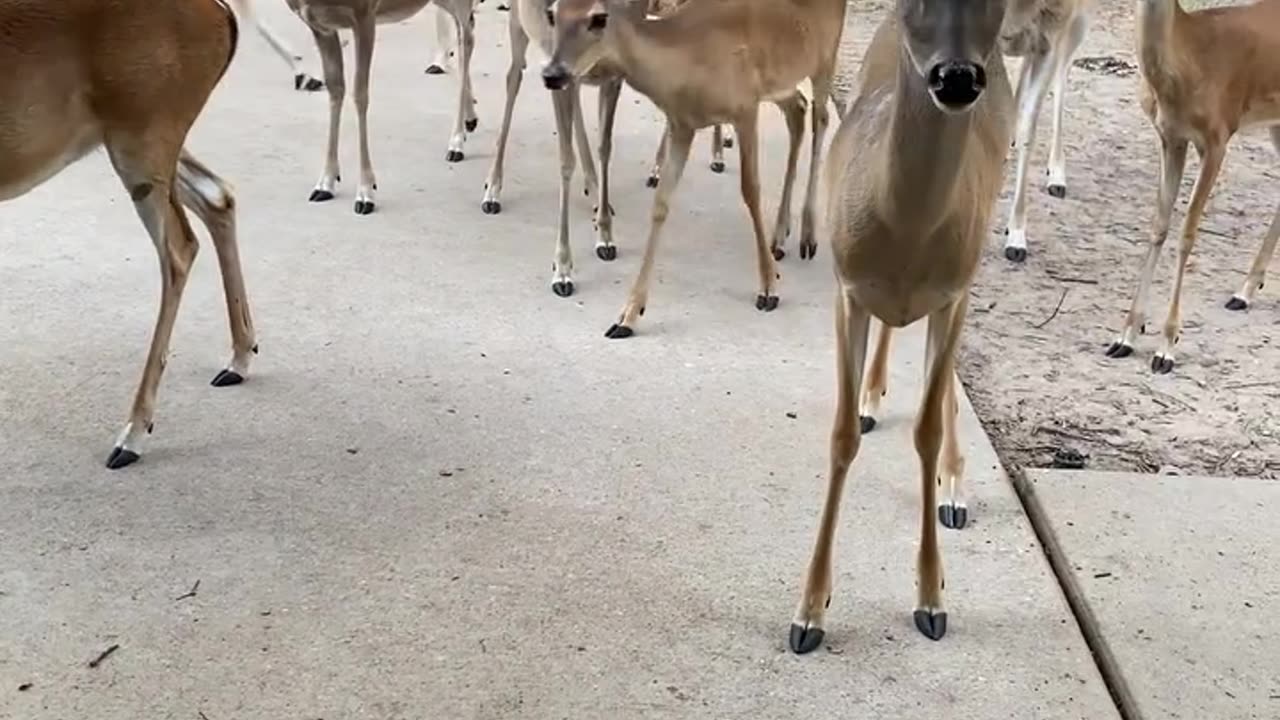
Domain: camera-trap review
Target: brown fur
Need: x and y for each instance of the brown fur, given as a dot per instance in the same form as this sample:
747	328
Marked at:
1205	75
131	76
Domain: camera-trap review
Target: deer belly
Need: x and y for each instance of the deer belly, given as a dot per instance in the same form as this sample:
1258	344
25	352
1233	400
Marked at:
899	306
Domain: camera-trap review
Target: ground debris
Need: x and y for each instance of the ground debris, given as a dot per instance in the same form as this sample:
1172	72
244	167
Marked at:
104	655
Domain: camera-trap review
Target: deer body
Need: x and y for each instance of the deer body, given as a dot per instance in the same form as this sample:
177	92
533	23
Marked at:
1206	75
131	76
326	18
910	184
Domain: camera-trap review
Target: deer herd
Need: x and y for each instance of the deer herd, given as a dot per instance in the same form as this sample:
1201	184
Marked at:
903	197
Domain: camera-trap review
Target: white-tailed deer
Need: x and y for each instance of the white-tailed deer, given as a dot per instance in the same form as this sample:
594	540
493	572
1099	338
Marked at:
712	62
1046	34
911	181
302	80
362	17
1206	75
131	76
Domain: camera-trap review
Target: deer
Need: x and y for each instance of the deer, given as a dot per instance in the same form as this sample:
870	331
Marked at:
362	17
910	184
74	86
1205	76
708	63
1046	34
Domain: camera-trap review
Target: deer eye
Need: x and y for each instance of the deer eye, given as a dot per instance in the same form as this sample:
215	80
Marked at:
597	21
551	18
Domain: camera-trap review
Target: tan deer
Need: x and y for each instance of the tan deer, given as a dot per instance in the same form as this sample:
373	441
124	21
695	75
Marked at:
131	76
362	17
1046	34
911	181
708	63
1206	75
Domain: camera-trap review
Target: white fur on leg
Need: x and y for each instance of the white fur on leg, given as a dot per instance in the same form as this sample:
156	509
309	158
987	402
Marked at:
1016	238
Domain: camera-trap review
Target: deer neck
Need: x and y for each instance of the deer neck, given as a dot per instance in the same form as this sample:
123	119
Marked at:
923	158
1157	22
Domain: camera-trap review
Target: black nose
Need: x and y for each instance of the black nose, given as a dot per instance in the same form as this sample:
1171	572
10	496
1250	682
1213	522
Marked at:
957	84
555	76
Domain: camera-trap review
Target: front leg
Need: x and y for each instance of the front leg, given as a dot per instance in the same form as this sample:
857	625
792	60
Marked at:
330	48
794	109
609	92
461	12
491	204
565	101
767	297
365	32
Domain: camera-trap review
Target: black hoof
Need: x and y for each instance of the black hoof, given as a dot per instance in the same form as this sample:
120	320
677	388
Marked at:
717	166
805	639
563	288
1161	365
608	253
767	303
652	182
954	517
227	378
728	142
503	7
320	195
618	332
434	69
453	156
778	254
120	457
472	124
302	81
1015	254
364	207
1058	191
1119	350
867	423
930	624
1237	303
808	251
491	207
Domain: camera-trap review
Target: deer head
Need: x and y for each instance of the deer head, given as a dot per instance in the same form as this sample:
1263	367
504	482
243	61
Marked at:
583	35
949	43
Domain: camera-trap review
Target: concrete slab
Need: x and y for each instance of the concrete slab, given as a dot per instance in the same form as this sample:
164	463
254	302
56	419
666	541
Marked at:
442	493
1179	575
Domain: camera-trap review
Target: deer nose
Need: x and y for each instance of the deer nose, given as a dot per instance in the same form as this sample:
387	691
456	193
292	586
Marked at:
956	84
555	76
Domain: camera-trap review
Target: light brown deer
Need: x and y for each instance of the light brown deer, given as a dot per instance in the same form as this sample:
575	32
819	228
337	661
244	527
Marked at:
1046	34
1206	75
911	181
708	63
362	17
131	76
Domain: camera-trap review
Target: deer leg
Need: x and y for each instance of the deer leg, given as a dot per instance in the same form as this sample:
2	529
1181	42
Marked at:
211	199
608	102
944	332
1070	42
492	202
877	380
301	79
1173	160
149	180
365	32
591	182
680	139
793	108
565	101
717	148
953	510
1032	86
659	158
852	324
1257	272
727	135
444	40
466	42
767	298
330	48
1210	163
821	82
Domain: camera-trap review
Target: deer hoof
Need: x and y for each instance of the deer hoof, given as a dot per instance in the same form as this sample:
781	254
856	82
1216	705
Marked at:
805	639
717	166
808	250
728	142
364	207
608	253
778	254
434	69
226	378
1237	303
767	303
618	332
1015	254
1161	364
953	516
491	207
453	156
563	288
1058	191
931	624
652	182
472	124
121	457
867	423
318	195
1119	349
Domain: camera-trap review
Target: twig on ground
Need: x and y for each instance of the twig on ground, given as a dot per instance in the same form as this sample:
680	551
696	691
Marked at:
1056	308
1241	386
1069	279
104	655
190	593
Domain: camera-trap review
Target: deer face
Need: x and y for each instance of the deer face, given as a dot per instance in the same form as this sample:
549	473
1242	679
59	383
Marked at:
949	43
579	28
